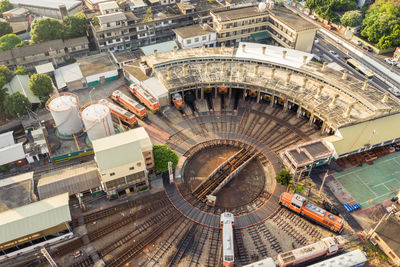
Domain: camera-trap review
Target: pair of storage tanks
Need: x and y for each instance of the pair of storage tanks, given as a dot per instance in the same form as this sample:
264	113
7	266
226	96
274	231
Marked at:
68	116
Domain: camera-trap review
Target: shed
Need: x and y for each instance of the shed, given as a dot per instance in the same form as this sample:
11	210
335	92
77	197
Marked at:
76	179
12	153
20	83
6	139
45	68
33	218
156	89
69	76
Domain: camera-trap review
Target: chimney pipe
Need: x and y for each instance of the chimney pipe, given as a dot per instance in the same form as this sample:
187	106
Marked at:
224	67
207	69
175	49
169	73
365	85
289	74
344	76
256	69
335	97
305	80
348	110
324	66
385	97
263	49
243	48
319	90
203	46
304	59
272	73
284	52
185	70
155	52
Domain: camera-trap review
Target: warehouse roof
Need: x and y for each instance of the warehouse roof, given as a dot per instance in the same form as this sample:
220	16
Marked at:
113	17
34	217
45	68
11	153
78	41
119	149
66	74
6	139
290	19
155	87
96	64
16	191
160	47
53	4
75	179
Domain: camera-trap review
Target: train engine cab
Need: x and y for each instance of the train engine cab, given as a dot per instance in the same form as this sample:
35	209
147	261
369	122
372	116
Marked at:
178	101
227	222
145	97
301	206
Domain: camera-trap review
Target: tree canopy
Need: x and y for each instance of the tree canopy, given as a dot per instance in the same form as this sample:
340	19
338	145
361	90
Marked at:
16	105
9	41
327	8
381	24
47	29
20	71
284	177
75	26
6	73
5	28
3	94
162	155
351	18
5	5
40	85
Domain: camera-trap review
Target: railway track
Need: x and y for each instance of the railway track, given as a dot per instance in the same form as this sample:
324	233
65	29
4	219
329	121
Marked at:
132	249
258	242
241	253
184	244
215	248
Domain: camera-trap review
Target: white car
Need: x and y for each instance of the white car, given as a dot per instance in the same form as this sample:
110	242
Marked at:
390	61
333	53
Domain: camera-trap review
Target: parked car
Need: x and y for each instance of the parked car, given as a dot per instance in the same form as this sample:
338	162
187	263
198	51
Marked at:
390	61
367	48
356	42
333	53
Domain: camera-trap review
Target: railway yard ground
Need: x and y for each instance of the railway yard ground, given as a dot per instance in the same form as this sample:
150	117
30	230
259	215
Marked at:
168	226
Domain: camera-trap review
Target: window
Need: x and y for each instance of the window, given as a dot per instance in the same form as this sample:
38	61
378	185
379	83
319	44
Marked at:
46	54
204	38
112	173
118	23
188	41
108	24
118	39
131	168
196	40
109	34
138	164
148	158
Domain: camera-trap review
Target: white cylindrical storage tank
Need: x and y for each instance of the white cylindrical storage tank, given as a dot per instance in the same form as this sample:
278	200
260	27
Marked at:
64	108
97	120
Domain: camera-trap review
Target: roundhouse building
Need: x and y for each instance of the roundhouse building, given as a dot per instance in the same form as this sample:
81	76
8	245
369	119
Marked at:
353	115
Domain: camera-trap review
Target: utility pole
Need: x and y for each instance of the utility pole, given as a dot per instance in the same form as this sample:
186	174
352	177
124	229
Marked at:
323	181
384	217
171	175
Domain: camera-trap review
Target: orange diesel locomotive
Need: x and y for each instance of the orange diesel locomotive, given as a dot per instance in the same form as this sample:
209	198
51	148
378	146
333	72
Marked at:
120	113
129	103
145	97
299	205
178	101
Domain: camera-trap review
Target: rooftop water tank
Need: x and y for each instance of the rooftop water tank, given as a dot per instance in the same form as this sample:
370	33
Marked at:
64	108
97	120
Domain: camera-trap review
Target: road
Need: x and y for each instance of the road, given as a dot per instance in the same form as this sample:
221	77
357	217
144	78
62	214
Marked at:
381	79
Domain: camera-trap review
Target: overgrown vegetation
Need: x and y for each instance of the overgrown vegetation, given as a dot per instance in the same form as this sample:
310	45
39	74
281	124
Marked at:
162	155
329	9
352	18
284	177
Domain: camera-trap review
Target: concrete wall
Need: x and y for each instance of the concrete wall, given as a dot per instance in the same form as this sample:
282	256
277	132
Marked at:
96	77
305	40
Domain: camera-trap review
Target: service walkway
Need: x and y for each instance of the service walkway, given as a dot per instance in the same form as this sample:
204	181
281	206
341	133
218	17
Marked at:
212	220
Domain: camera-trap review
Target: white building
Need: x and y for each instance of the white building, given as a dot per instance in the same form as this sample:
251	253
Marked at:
10	152
195	36
109	7
123	160
136	4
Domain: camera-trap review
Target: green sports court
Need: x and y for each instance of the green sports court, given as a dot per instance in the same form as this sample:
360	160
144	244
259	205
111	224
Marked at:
372	184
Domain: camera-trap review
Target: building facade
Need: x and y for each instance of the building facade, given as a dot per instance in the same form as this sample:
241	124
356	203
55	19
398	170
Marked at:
196	36
56	52
123	161
284	27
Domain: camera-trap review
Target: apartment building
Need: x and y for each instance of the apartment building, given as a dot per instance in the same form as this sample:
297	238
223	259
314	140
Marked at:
56	52
284	27
128	30
109	7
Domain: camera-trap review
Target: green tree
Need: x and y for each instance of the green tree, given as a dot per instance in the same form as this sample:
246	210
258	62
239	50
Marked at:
351	18
5	28
380	25
5	5
47	29
17	105
75	26
20	71
149	15
40	85
162	155
328	9
9	41
3	94
95	21
5	73
284	177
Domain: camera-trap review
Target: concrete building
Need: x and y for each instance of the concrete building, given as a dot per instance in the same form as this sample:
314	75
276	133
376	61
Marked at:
18	12
10	152
32	222
284	27
196	36
123	161
20	83
50	8
352	115
56	51
109	7
87	71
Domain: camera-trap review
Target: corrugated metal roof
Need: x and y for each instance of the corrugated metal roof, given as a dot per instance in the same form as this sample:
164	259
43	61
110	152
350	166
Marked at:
11	153
16	179
113	17
44	68
6	139
371	132
54	4
121	149
73	180
161	47
20	83
68	73
155	87
34	217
